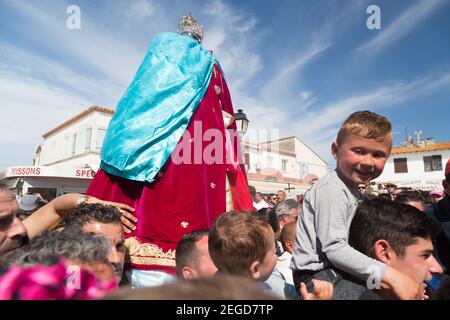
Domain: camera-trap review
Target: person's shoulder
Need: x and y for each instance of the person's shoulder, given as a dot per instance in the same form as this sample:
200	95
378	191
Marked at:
329	184
441	210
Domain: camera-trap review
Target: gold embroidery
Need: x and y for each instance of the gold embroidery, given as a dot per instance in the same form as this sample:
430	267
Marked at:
148	253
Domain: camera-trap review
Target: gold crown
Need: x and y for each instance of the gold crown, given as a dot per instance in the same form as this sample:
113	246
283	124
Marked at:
188	25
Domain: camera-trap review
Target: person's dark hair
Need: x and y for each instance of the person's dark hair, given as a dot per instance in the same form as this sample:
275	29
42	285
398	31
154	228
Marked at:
88	212
187	253
397	223
271	218
410	196
70	243
385	196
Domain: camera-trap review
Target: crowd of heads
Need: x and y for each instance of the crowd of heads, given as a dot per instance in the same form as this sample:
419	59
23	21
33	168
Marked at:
241	249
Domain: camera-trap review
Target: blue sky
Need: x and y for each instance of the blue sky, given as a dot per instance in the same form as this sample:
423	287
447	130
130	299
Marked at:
300	67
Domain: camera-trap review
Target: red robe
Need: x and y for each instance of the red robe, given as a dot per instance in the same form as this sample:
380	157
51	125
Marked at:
184	197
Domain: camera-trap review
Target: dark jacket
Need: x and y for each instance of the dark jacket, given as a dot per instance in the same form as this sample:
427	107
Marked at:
440	213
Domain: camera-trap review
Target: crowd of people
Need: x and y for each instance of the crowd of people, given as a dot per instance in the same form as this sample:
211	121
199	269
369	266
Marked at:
161	221
343	240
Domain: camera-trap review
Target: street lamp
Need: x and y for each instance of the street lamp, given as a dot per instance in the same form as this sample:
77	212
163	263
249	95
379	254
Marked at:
241	122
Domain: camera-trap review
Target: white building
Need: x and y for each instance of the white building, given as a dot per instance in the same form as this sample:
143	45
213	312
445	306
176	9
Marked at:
70	155
417	166
281	165
68	158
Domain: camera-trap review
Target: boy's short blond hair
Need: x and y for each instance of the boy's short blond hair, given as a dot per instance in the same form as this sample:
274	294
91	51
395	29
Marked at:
237	239
365	124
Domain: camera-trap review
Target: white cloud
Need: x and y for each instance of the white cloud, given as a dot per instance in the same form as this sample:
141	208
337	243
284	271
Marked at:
230	36
140	9
92	46
30	65
29	109
400	27
319	128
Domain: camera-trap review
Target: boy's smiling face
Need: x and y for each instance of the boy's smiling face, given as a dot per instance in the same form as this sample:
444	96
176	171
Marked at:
359	159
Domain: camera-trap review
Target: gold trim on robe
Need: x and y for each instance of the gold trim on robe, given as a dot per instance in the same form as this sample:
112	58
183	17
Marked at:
148	254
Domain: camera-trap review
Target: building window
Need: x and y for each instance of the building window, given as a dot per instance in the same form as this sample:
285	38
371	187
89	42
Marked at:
247	160
303	170
100	137
74	143
432	163
284	165
83	141
400	165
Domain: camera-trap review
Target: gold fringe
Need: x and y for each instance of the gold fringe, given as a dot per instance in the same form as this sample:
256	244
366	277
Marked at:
148	253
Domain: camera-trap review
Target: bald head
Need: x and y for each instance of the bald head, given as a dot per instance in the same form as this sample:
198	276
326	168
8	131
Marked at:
287	236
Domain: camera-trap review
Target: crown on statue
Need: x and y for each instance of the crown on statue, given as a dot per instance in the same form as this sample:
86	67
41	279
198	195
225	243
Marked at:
188	25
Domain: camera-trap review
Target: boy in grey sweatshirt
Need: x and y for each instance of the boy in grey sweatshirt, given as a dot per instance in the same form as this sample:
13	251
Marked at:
321	250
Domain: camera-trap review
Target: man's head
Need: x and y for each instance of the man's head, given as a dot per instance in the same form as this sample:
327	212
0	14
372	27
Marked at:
397	191
390	187
362	187
31	202
287	236
362	147
88	251
396	234
436	195
281	195
10	226
97	218
243	243
286	212
258	197
413	198
273	198
219	287
192	256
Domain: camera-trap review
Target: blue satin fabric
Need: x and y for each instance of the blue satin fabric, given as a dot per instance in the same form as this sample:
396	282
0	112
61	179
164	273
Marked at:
155	111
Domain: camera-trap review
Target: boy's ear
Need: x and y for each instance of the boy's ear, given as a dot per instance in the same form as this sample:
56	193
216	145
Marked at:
289	246
383	251
189	273
334	149
254	270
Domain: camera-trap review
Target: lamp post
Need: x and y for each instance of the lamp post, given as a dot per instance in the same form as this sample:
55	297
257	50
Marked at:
242	125
241	122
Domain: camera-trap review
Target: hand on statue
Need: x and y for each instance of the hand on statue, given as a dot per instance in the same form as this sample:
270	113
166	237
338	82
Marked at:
323	290
127	218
